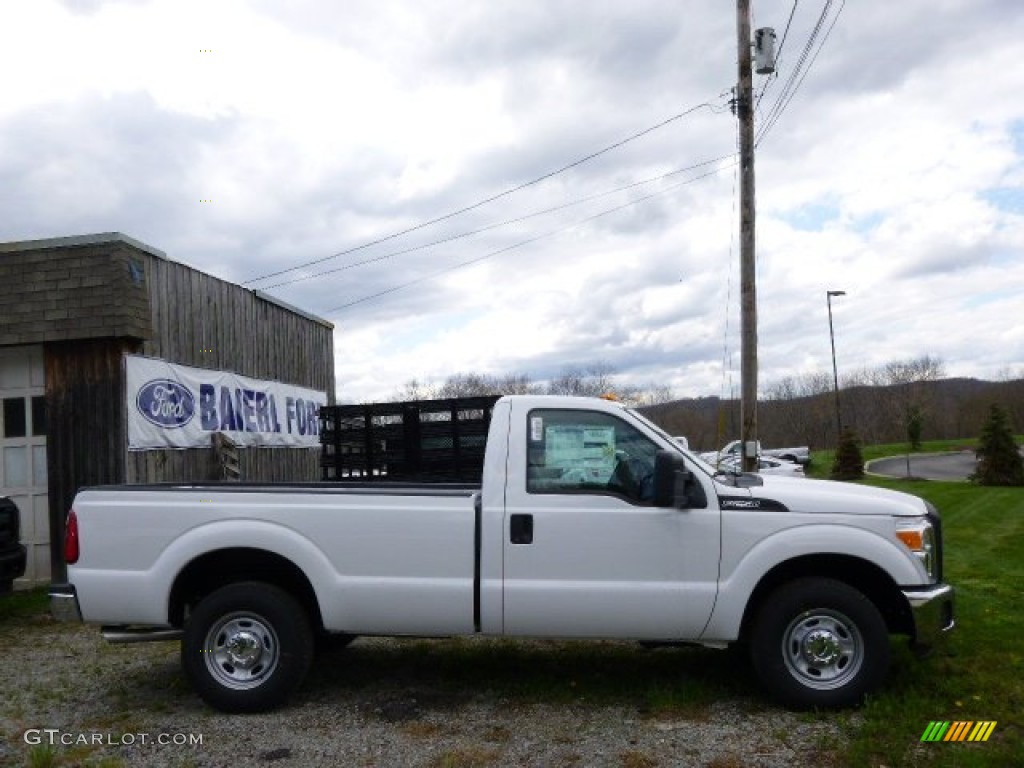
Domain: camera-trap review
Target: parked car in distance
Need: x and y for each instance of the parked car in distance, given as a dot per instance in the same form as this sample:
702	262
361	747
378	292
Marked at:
766	466
731	450
12	551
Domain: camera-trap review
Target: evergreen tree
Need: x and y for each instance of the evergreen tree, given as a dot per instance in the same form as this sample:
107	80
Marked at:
915	422
999	459
848	463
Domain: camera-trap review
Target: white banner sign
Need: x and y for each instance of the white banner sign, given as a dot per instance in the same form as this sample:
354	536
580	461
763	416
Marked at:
174	406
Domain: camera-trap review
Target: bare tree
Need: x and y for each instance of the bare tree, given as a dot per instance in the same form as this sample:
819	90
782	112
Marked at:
587	381
646	395
518	384
910	401
413	389
796	411
781	390
469	384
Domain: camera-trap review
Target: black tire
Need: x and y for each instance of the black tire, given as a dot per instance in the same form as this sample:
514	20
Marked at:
819	643
246	647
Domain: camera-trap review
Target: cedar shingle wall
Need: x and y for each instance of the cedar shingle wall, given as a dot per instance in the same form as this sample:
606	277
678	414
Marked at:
82	292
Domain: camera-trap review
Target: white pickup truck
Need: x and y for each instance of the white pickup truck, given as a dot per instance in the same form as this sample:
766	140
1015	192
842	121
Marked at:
590	522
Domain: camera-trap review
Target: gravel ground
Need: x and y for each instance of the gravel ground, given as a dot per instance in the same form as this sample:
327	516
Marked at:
69	698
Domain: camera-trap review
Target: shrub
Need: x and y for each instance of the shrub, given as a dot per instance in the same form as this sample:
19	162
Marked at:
915	423
848	464
999	459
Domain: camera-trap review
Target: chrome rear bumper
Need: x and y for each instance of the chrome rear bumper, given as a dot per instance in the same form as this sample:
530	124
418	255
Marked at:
64	603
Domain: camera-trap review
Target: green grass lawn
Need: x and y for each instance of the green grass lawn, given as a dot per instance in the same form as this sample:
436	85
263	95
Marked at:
22	604
979	673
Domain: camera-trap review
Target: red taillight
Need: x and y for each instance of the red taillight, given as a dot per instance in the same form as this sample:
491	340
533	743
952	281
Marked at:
71	539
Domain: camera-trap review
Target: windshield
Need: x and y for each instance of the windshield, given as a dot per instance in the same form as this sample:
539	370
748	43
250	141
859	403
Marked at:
698	462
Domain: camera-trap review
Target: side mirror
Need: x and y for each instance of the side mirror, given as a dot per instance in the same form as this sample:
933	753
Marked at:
674	484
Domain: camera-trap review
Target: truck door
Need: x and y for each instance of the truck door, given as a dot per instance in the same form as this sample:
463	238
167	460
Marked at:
586	554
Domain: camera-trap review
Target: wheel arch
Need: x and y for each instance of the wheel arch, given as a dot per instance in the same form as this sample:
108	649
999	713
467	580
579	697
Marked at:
218	568
862	575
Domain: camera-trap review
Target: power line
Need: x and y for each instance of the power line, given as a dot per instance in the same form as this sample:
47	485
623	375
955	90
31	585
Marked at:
814	58
785	33
514	246
495	225
777	107
799	73
487	200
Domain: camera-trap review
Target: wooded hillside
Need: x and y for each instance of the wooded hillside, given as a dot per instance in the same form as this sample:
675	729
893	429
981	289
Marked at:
946	408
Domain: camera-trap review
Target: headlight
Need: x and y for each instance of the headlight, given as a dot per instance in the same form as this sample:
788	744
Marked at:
919	537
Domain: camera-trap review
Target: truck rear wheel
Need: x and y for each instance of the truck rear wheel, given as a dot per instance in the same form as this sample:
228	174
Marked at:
819	643
246	647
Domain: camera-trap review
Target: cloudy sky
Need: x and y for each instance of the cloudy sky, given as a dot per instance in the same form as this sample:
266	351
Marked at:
517	187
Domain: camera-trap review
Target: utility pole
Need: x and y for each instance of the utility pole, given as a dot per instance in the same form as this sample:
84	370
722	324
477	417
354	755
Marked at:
748	288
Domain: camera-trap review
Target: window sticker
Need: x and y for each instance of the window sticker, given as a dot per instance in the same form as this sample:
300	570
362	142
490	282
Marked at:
536	428
585	454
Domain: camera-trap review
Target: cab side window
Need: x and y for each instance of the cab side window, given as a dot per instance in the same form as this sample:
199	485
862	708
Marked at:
588	452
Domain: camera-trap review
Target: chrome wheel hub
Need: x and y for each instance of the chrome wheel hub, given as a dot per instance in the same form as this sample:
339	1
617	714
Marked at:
823	649
241	650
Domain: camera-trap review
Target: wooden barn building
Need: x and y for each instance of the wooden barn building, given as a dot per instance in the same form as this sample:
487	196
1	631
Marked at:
120	365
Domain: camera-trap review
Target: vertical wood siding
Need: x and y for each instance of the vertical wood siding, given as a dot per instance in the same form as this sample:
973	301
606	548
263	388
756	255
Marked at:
202	321
85	424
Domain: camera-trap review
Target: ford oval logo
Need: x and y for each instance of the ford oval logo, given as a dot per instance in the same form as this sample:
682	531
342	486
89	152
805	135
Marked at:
166	403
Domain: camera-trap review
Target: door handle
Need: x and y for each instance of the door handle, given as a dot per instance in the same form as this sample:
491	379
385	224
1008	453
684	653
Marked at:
521	529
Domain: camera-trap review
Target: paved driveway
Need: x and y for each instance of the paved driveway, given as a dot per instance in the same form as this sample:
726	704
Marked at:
929	466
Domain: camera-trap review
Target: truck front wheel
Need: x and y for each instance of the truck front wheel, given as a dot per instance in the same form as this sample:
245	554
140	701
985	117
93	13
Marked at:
246	647
818	642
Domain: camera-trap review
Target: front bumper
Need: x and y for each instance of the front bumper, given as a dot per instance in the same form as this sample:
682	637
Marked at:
932	609
64	603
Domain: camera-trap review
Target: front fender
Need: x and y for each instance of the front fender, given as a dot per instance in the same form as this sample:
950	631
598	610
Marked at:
743	573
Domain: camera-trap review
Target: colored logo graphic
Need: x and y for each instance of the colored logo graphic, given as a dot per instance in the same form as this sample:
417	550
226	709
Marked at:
961	730
166	403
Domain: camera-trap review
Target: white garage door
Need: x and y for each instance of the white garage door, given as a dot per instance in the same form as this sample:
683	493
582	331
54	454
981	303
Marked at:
23	451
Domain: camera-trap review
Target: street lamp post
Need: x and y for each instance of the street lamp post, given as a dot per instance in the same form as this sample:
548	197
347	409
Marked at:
835	370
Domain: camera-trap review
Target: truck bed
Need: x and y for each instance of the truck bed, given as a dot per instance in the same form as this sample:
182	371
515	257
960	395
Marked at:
389	558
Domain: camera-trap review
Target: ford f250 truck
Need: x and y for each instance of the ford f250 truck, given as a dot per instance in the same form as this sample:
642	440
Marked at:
589	522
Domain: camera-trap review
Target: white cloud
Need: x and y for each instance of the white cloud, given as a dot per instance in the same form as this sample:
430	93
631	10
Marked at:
315	128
